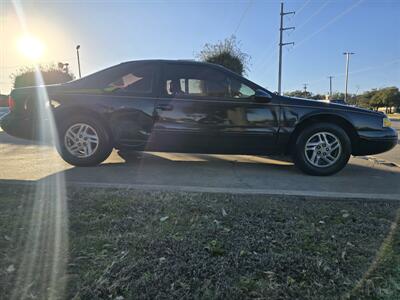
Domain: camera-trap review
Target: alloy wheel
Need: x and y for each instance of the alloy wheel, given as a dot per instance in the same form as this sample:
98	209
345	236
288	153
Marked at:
81	140
323	149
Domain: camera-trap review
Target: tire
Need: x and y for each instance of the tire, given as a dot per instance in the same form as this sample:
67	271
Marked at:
322	157
100	151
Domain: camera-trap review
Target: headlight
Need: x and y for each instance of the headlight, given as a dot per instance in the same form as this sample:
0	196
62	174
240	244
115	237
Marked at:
386	122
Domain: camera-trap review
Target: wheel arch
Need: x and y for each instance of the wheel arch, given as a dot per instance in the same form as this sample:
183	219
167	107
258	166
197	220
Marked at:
63	111
336	119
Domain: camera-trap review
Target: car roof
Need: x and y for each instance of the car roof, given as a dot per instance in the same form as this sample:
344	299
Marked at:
173	61
192	62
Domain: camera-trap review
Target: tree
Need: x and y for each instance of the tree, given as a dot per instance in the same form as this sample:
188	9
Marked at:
226	53
381	98
390	98
338	96
318	97
396	101
364	100
351	98
300	94
50	74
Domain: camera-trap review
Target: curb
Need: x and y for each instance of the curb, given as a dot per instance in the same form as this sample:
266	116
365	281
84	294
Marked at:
242	191
236	191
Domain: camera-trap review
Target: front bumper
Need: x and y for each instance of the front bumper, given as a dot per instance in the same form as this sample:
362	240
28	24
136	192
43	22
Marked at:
374	142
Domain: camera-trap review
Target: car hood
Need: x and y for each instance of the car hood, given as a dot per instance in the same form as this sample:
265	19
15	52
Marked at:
326	104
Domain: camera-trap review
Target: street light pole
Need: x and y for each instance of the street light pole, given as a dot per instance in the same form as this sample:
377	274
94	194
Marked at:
79	62
347	72
330	87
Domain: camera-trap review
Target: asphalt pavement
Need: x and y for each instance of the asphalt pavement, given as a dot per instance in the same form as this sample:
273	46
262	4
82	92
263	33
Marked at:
365	177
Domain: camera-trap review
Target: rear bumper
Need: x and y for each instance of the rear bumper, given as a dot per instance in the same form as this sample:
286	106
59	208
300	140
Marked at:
18	126
374	142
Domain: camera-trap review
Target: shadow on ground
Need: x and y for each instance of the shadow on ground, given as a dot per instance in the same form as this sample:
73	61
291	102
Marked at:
236	171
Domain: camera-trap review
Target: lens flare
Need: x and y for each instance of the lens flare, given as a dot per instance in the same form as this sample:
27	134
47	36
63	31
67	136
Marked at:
30	47
42	270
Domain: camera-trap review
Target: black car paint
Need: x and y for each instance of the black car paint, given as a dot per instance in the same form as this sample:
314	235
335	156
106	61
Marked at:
233	126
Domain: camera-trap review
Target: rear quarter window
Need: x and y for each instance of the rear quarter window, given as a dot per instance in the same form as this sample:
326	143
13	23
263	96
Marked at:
135	81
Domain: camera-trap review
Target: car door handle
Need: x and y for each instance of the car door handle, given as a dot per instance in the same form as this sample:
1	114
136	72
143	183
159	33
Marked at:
164	107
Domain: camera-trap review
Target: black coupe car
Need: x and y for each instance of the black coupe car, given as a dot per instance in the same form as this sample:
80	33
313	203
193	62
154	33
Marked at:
188	106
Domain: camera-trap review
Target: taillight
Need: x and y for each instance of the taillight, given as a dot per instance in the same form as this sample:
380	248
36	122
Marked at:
11	103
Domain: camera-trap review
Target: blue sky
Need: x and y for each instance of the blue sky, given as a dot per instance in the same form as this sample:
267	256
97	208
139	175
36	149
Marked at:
113	31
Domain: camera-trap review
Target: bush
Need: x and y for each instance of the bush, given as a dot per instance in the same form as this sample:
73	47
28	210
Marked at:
50	74
226	53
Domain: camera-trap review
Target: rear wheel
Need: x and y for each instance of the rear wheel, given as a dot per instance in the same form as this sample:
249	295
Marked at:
322	149
83	141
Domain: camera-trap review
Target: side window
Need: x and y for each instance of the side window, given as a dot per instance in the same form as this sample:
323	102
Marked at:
195	86
239	90
194	81
139	80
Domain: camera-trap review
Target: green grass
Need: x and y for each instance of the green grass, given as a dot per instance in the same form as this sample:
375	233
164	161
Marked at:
137	244
382	281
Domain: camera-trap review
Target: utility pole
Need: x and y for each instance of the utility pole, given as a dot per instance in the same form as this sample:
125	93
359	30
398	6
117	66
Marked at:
79	62
330	87
347	72
281	44
305	87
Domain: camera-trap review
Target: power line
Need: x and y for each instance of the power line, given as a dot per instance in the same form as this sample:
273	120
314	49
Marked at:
264	62
281	44
362	70
268	59
243	15
333	20
303	6
312	16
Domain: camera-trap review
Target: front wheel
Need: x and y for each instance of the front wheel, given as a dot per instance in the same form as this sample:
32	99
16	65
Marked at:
322	149
83	141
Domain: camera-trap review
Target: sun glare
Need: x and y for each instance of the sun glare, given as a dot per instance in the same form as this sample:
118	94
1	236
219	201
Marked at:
30	47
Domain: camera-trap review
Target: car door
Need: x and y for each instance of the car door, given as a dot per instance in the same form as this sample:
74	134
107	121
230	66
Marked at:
206	109
131	97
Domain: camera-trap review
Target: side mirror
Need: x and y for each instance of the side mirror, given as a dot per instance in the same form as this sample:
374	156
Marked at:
262	96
